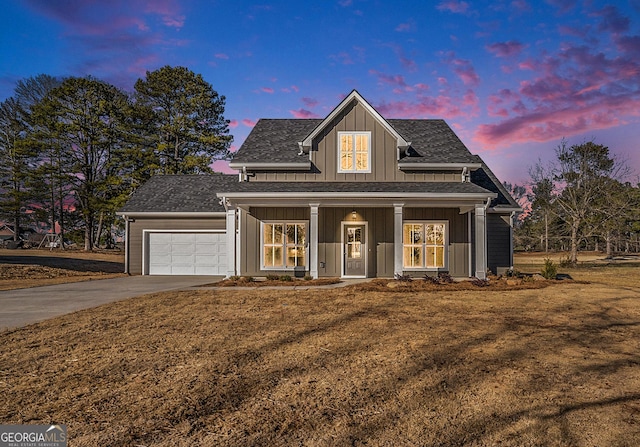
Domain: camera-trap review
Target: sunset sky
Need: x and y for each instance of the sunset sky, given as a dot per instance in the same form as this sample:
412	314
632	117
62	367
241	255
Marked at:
511	77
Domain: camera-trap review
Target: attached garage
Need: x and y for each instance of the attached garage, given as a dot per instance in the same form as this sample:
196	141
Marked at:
185	253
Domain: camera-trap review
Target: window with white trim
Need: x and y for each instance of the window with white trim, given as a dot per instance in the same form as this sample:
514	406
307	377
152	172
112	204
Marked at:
424	245
354	152
284	245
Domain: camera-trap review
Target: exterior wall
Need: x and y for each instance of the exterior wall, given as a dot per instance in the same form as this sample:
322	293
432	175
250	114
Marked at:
250	250
324	155
458	236
140	224
379	238
498	243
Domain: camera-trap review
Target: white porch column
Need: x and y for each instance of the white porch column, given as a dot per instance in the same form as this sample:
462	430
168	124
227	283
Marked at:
231	241
481	241
313	241
397	238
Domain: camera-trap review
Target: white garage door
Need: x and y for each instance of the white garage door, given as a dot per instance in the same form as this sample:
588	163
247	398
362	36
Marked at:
187	254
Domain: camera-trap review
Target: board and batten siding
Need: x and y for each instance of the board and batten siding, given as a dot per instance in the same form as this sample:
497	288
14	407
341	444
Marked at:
458	235
185	224
384	153
498	242
379	238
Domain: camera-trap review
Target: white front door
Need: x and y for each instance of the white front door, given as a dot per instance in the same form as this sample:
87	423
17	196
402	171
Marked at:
355	250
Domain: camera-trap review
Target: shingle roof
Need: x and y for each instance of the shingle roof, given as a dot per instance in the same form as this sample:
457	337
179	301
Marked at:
275	141
355	187
179	193
433	140
485	178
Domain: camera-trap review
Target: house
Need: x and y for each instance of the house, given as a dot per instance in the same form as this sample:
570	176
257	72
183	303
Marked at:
352	195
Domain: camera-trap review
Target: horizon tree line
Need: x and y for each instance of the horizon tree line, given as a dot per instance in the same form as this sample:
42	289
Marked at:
72	150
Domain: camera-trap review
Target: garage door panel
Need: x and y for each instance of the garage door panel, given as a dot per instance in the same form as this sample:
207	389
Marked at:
187	253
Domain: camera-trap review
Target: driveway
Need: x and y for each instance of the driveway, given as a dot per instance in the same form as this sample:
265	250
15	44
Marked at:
26	306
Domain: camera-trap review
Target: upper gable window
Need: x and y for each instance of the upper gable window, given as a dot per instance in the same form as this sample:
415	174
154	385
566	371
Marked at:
354	151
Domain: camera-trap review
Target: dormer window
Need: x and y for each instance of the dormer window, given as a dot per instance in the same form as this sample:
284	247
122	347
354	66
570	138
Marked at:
354	152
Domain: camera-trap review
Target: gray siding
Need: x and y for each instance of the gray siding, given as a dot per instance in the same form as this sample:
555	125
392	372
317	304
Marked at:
380	252
458	235
498	243
324	155
140	224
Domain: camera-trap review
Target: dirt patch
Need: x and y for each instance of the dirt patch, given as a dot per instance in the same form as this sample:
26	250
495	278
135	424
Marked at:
294	282
554	366
31	268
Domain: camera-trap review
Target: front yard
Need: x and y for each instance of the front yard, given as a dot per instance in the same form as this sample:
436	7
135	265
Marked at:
553	366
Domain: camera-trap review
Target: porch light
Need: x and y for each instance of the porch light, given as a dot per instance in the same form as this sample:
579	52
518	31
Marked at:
353	215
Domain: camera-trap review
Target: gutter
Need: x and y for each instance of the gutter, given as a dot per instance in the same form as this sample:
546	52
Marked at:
295	166
438	166
160	214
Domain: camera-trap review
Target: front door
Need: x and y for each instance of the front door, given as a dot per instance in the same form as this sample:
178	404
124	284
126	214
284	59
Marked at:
355	250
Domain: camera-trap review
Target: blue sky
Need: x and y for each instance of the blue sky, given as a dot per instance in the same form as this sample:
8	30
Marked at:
511	77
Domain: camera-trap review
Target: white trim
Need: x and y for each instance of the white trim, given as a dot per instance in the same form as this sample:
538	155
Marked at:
354	95
360	194
296	166
145	243
469	215
231	240
397	238
444	268
365	248
481	242
312	237
284	267
353	153
417	166
160	214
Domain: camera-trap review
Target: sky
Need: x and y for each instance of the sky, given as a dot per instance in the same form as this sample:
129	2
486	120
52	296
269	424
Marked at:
513	78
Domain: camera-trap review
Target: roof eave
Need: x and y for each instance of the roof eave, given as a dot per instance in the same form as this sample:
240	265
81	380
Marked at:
165	214
296	166
418	166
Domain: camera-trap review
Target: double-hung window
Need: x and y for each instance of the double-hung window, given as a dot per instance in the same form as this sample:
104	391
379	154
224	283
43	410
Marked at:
425	245
284	245
354	152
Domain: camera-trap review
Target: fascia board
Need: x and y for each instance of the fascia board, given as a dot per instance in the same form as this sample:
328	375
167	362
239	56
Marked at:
357	195
438	166
160	214
272	166
353	95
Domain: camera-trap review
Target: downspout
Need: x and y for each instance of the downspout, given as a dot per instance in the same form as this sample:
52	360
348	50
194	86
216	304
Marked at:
126	244
513	214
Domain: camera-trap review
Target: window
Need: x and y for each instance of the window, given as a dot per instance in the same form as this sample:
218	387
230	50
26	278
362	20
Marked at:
354	151
424	245
284	245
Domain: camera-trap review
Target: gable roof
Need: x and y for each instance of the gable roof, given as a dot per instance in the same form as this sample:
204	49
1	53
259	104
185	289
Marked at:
485	178
179	194
353	96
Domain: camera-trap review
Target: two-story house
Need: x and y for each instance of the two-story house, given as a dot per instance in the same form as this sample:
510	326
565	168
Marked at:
352	195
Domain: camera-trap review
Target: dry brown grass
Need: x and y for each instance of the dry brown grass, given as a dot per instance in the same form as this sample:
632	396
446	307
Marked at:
20	269
553	366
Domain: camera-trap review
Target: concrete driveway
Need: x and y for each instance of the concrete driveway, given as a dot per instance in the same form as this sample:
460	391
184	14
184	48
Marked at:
26	306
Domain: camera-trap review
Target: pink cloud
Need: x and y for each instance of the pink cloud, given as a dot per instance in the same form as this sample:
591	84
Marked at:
611	20
406	27
394	80
310	102
505	49
221	56
454	6
465	71
521	5
303	113
267	90
233	124
249	123
343	58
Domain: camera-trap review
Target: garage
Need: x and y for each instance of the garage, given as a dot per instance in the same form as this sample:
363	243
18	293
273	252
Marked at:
186	253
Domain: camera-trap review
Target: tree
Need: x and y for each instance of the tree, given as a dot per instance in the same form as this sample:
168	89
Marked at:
582	172
83	118
187	114
542	199
15	163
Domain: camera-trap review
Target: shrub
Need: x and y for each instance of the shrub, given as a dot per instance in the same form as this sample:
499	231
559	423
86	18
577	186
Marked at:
247	279
273	277
405	278
565	262
234	278
480	282
286	278
550	270
431	279
445	278
513	273
308	277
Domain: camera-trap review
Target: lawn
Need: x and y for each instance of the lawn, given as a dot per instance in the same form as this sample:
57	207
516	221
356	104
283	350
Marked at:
330	367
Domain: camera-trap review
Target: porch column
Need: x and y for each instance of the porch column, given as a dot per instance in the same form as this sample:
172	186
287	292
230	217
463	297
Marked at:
313	241
397	238
231	241
481	241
